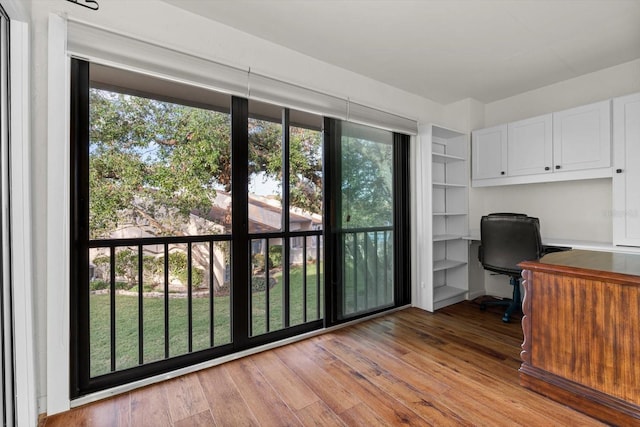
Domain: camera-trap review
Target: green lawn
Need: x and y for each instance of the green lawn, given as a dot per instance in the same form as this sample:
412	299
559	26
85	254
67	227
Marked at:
153	321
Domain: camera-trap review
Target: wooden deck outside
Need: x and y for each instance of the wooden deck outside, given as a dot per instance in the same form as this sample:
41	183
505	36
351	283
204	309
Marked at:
455	367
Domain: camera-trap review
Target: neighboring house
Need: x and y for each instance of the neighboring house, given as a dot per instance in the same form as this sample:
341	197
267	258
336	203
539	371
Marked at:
265	215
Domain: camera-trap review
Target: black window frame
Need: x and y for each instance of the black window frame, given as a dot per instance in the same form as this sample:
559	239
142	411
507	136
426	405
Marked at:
80	381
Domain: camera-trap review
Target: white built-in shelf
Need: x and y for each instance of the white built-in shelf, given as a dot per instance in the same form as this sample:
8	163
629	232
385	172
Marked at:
446	158
442	293
447	185
445	237
443	192
446	264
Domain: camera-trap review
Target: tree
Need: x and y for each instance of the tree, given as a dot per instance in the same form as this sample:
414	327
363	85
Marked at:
366	183
153	164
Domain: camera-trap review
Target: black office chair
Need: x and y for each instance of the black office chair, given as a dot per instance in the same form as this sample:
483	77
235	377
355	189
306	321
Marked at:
506	240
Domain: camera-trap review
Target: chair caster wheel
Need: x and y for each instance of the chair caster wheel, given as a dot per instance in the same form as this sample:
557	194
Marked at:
505	319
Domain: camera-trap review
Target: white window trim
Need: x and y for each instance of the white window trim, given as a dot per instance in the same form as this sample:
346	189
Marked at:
26	408
25	400
58	246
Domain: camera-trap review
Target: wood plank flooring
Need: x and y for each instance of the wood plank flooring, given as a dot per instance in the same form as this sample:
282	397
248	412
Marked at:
455	367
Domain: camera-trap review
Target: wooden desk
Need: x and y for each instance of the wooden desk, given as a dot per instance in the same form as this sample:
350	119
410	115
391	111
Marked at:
581	328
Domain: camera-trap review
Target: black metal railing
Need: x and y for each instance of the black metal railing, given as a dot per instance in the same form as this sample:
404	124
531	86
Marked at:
129	265
140	256
278	300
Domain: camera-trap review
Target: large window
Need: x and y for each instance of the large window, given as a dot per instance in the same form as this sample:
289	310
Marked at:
369	230
200	223
164	221
285	217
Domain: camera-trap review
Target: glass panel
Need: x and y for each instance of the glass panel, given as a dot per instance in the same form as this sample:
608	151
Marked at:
157	168
266	286
100	312
366	218
276	280
265	168
297	281
200	263
153	303
305	179
221	302
126	268
178	323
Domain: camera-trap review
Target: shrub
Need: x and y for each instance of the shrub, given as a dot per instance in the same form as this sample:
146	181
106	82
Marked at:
275	256
259	284
258	262
96	285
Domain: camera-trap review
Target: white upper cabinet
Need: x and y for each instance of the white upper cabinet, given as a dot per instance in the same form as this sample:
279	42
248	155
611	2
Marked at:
626	164
489	151
530	146
582	137
568	145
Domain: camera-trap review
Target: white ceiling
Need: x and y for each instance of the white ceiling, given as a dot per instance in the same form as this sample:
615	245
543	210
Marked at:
445	50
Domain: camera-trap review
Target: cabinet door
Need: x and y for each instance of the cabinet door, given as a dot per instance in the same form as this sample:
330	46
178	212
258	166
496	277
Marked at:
489	151
582	137
530	146
626	176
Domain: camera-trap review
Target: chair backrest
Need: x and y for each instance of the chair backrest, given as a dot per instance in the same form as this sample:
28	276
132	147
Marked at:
508	239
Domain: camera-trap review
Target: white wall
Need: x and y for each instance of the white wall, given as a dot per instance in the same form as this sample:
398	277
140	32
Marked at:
166	25
579	210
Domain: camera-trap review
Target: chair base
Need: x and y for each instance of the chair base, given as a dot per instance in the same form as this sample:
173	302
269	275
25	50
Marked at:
513	305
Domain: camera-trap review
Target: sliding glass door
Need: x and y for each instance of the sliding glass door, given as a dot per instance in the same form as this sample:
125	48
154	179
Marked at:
197	225
285	194
369	214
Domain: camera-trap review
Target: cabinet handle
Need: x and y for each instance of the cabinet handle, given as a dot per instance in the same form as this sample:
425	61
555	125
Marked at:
502	173
547	168
557	166
618	170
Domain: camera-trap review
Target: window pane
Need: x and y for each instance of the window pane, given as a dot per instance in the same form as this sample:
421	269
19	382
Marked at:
305	179
266	286
159	161
366	218
265	168
157	168
367	177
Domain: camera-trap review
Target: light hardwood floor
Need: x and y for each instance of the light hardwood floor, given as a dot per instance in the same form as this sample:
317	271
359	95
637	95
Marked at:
455	367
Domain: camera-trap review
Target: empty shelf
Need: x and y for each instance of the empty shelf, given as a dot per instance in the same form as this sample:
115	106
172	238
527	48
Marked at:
443	237
446	158
445	292
447	185
445	264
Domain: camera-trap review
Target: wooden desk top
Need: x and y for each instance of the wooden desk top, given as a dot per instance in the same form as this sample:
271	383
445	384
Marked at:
605	265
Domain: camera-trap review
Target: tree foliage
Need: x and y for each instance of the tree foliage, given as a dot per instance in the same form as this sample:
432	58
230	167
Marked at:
152	163
366	184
